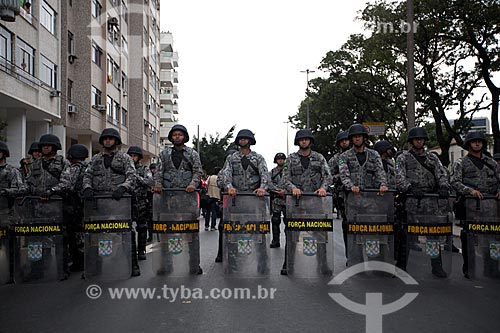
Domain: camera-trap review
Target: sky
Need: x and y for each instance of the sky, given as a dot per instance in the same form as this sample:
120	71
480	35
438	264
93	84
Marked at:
240	61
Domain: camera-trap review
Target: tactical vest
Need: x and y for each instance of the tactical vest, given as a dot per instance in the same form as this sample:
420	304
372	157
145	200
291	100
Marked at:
5	176
310	179
483	180
177	178
79	180
245	180
107	179
364	176
42	179
418	175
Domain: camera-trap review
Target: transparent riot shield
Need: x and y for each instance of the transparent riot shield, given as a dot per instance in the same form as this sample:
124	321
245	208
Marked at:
483	237
108	240
245	236
38	250
309	236
370	234
429	236
176	246
5	221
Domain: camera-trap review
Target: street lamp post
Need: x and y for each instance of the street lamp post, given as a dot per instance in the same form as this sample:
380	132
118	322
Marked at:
307	71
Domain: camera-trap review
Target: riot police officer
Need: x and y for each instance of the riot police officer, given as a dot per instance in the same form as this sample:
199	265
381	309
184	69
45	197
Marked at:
306	171
387	152
111	171
342	143
476	175
180	167
140	203
418	172
277	197
73	205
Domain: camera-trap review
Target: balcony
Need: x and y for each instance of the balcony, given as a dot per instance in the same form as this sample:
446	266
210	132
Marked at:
166	78
166	96
175	108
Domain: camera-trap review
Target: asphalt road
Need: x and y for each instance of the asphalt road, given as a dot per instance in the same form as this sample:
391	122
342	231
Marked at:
450	305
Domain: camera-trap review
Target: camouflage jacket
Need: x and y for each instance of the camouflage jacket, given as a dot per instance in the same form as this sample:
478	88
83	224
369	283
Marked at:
316	176
390	173
410	173
102	179
276	184
370	175
188	173
234	174
11	181
143	179
466	176
49	174
333	163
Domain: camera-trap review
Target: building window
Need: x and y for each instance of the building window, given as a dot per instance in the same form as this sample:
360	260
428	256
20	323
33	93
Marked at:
5	46
124	117
145	40
96	55
71	43
96	96
25	56
113	71
152	51
96	10
124	82
48	72
124	11
48	17
124	45
70	89
109	108
116	113
70	3
145	66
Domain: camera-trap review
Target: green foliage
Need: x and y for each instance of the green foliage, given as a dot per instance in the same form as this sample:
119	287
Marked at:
213	150
3	124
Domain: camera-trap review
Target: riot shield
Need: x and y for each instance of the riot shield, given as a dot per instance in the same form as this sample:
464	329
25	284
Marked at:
107	240
245	235
370	234
5	221
309	236
176	246
483	237
429	236
38	229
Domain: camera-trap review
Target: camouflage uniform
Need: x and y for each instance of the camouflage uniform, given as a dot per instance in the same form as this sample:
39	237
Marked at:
466	176
234	175
390	172
278	203
370	175
254	176
411	175
188	173
141	205
309	178
49	174
73	211
338	193
11	181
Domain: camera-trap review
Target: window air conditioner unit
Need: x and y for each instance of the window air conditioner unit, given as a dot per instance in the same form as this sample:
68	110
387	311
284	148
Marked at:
55	93
99	107
113	21
71	108
72	58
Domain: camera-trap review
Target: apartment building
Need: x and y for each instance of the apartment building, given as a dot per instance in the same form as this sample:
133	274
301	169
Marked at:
169	77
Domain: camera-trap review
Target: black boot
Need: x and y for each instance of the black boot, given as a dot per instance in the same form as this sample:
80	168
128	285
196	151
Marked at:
219	252
136	271
437	268
275	224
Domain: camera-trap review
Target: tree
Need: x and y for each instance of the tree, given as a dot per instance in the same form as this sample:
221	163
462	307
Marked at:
3	124
213	150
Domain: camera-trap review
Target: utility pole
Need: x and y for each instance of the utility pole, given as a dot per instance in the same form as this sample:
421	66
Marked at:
307	71
410	67
199	139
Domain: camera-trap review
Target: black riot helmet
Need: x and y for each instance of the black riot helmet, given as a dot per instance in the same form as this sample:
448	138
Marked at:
5	149
135	150
357	129
49	140
178	128
417	133
245	133
279	156
111	133
476	135
33	148
496	157
382	146
344	135
301	134
78	151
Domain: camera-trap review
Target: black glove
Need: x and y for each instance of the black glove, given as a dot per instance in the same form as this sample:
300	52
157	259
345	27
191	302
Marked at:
88	193
118	193
417	193
444	193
